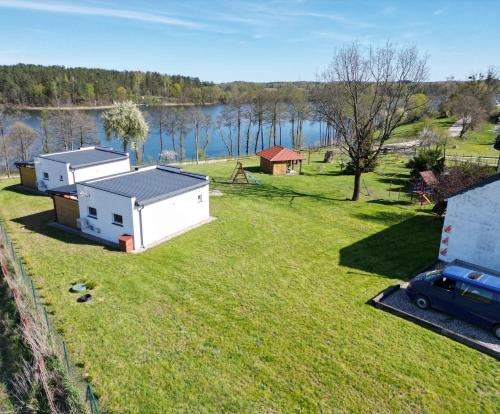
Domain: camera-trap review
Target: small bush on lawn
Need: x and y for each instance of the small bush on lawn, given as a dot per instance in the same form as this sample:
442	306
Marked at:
350	170
429	159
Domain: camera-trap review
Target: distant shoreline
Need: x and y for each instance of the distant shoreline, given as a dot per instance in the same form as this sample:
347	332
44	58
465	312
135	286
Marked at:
96	107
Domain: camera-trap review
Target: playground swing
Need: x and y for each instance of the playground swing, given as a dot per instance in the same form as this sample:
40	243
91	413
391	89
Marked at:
240	176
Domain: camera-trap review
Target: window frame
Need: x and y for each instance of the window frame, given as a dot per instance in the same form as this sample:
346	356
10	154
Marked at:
200	198
45	175
477	298
89	214
117	223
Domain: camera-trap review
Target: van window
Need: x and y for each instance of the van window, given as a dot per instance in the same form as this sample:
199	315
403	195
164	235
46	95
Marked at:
475	293
445	283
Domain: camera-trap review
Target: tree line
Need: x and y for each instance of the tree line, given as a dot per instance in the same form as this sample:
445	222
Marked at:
36	85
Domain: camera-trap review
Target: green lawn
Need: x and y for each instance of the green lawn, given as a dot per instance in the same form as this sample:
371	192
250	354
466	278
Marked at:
261	310
477	142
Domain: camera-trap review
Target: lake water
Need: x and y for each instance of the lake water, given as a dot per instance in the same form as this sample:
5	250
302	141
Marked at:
215	148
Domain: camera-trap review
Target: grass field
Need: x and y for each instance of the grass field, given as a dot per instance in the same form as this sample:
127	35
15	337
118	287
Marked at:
477	142
263	309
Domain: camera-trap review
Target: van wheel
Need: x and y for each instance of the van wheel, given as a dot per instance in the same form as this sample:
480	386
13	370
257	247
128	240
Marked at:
496	331
422	302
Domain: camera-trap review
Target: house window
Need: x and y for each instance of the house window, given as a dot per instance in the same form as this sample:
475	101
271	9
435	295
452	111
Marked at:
92	212
61	178
45	175
117	219
200	198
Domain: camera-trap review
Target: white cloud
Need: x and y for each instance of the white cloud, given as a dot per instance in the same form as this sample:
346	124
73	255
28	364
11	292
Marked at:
98	11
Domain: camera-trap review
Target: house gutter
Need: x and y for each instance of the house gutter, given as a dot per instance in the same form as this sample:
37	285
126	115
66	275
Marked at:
139	209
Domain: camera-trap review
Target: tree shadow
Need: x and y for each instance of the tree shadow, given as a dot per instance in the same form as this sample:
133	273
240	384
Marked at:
390	202
270	191
39	223
397	251
253	169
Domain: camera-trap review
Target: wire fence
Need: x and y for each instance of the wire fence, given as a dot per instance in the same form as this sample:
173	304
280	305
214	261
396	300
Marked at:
40	313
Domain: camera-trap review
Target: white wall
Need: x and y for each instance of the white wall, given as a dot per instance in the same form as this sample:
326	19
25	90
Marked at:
55	170
168	217
472	227
102	170
58	169
106	204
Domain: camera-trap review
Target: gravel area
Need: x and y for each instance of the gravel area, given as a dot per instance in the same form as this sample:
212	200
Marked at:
401	301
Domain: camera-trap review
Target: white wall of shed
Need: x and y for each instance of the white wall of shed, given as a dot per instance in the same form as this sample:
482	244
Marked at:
106	205
474	235
167	217
55	170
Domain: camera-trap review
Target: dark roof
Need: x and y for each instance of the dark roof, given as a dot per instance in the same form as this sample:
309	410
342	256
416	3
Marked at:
63	190
278	153
491	179
29	163
149	185
86	157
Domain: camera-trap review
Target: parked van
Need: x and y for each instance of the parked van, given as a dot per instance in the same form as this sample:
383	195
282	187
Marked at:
463	290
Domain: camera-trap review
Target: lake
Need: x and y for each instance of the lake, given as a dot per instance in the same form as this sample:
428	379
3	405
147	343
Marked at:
215	148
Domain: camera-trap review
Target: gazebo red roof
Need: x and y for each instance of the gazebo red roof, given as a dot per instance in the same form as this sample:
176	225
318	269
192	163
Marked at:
278	153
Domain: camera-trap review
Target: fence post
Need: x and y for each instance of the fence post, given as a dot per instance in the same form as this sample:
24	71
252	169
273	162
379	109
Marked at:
66	359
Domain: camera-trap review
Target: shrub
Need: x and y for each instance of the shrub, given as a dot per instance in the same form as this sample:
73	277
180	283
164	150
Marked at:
459	177
429	159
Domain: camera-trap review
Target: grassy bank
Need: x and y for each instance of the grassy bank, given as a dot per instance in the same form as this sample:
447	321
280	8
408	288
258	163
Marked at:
263	309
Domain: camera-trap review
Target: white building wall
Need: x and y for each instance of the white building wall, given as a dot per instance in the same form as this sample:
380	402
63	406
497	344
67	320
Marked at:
56	171
101	170
106	205
173	215
471	230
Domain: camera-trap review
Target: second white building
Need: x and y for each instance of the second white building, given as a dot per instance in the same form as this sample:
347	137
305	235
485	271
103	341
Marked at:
151	204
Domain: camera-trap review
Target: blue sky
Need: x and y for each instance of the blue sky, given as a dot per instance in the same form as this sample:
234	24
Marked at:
253	40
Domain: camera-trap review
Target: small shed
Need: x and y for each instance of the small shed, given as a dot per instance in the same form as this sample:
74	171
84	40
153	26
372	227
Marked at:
66	208
471	226
27	173
279	160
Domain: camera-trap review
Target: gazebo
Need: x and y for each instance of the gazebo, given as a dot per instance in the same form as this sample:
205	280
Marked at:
279	160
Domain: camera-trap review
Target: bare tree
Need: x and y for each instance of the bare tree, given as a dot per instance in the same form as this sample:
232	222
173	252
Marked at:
468	108
236	104
161	116
22	137
83	128
206	124
196	119
4	120
365	95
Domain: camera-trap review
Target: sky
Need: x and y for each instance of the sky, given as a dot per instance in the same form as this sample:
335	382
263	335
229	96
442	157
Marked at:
250	40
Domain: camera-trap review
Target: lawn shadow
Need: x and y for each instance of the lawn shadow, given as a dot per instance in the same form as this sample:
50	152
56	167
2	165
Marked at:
19	189
271	191
389	202
397	251
39	223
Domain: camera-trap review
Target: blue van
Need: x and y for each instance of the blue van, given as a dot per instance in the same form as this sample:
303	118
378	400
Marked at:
460	289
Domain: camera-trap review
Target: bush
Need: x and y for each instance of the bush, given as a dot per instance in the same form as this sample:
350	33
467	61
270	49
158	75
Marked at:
459	177
429	159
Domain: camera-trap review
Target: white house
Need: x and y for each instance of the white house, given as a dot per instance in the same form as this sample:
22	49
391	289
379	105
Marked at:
471	230
151	204
66	168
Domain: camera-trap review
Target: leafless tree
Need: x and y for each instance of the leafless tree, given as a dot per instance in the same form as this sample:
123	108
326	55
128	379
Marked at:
469	110
22	137
365	94
4	147
206	125
84	129
161	116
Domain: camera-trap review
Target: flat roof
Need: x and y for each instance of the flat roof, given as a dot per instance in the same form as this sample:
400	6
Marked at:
151	184
87	157
473	275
